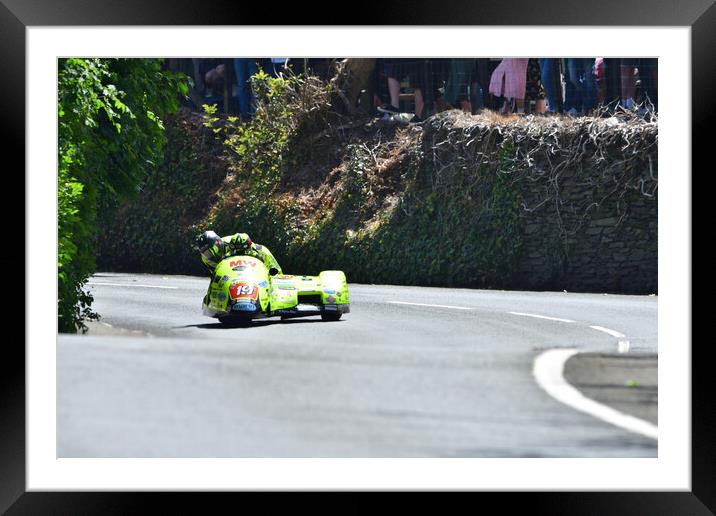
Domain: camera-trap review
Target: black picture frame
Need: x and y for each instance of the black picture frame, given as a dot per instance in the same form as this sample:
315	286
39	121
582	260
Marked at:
17	15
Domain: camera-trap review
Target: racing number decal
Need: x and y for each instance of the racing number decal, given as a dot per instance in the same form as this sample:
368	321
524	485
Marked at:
243	291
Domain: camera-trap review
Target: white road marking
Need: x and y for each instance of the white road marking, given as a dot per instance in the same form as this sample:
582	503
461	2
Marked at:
542	317
130	285
548	370
622	345
424	304
613	333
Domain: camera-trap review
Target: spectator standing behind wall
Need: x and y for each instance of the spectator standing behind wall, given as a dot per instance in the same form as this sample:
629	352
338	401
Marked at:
509	80
648	76
467	83
600	70
552	82
460	79
214	78
534	89
411	69
244	68
583	91
645	69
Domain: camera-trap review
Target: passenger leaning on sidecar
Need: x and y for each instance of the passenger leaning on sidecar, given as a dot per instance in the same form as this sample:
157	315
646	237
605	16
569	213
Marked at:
214	248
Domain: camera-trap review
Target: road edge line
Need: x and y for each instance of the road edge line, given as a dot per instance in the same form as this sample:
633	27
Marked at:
548	370
430	305
542	317
92	283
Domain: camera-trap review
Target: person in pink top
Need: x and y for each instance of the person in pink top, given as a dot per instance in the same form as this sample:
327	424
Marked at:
509	80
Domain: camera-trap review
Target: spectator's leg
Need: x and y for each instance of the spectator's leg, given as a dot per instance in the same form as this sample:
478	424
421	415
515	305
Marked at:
419	102
430	69
613	81
456	85
570	95
647	73
601	92
394	92
506	107
628	83
198	79
547	72
251	70
477	99
573	75
601	84
535	88
655	83
241	71
484	72
589	84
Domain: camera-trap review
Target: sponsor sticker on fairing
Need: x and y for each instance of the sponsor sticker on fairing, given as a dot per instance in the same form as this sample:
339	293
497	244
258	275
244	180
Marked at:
242	263
243	291
245	307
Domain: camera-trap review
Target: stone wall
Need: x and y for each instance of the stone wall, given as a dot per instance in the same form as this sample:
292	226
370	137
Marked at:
611	248
541	203
587	192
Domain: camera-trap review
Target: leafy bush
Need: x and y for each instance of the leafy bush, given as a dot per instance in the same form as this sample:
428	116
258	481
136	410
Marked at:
471	201
155	231
393	227
260	155
110	136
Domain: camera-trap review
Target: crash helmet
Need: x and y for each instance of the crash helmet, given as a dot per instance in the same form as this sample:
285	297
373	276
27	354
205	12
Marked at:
241	242
211	246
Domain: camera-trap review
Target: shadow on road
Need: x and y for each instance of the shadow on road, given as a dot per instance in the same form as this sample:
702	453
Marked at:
253	324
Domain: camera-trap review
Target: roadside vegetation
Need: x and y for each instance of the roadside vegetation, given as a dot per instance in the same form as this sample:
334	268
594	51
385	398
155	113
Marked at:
111	138
448	203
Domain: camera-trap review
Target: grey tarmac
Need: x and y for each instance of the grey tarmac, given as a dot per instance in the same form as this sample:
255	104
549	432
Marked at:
387	380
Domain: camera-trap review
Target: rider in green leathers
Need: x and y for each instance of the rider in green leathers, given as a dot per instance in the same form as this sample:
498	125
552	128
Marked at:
214	248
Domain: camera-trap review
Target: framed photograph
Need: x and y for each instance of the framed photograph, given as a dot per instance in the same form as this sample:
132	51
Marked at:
471	285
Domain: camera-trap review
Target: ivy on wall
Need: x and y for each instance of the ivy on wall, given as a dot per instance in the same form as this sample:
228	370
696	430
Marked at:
472	201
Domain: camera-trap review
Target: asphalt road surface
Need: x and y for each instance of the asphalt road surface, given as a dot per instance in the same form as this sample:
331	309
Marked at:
449	375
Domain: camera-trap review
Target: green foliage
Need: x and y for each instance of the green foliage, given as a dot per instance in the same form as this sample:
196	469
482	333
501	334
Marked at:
74	305
155	231
473	202
464	231
259	154
110	136
260	145
447	236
